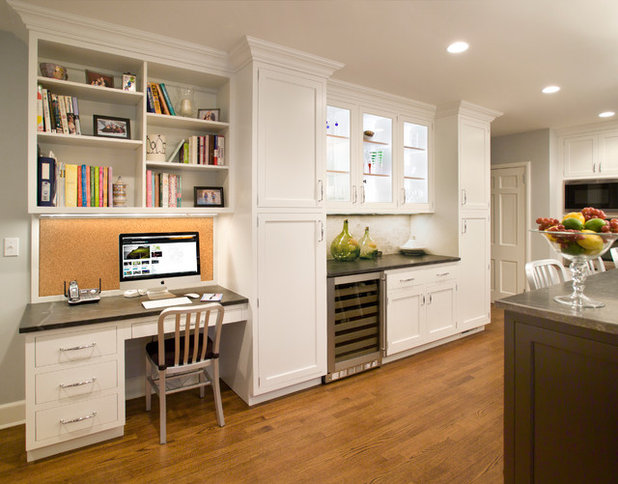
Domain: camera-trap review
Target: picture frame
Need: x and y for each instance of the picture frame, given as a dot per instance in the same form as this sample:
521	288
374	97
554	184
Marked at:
208	197
98	79
110	127
208	114
128	82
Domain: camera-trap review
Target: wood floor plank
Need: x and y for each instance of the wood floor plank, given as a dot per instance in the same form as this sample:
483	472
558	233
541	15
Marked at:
435	417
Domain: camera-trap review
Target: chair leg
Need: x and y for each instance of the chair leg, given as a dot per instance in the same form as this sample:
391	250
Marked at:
162	429
147	389
216	389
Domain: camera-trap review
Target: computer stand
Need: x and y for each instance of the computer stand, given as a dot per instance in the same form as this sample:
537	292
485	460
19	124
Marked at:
159	293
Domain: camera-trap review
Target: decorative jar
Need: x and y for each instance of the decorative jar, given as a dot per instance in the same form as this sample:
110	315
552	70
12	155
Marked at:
344	247
368	248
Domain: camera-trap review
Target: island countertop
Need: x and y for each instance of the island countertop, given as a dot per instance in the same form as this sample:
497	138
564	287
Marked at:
391	261
601	287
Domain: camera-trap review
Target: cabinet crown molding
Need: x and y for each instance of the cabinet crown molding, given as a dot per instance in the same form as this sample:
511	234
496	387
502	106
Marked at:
465	108
251	49
105	36
598	127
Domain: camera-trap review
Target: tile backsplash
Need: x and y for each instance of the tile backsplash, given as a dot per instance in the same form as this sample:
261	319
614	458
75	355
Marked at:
388	231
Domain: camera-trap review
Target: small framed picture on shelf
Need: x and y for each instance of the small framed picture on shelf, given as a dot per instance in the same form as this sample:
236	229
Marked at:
208	114
208	196
97	79
128	82
110	127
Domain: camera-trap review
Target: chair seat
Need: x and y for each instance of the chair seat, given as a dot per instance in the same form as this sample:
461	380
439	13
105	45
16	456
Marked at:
152	349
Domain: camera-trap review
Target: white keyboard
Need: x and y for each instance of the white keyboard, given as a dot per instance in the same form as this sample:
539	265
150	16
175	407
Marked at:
163	303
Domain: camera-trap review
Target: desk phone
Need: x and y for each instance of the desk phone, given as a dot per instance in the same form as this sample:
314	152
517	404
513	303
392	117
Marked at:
75	295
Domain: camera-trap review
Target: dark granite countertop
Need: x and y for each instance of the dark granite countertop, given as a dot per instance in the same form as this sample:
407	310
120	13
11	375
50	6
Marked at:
392	261
59	314
602	287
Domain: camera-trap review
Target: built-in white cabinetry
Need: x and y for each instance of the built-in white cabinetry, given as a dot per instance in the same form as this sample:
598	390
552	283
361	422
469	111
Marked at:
379	152
474	162
589	154
421	306
291	336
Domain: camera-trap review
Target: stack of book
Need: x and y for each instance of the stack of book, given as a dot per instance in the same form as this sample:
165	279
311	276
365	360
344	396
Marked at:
57	113
163	190
158	99
203	150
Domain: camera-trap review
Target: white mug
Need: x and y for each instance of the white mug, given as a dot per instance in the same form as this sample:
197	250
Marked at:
155	147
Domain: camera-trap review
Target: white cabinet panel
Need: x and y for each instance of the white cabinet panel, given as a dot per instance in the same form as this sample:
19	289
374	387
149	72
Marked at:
474	165
580	156
76	346
441	309
608	156
291	328
290	140
405	315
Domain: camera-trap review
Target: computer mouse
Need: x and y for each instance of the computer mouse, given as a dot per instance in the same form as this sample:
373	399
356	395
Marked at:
192	295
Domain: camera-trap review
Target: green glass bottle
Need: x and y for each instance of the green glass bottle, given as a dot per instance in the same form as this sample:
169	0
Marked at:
344	247
368	248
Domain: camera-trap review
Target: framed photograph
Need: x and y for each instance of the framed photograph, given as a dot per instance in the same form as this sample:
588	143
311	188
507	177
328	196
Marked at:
111	127
97	79
208	196
128	82
208	114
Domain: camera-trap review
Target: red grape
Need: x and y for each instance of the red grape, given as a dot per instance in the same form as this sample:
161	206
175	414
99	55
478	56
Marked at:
591	212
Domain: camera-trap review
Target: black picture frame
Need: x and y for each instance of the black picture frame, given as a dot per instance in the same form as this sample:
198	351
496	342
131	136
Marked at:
208	197
209	114
110	127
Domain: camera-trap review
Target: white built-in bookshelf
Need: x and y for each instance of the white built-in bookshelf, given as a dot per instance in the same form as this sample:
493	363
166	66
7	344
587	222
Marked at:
177	66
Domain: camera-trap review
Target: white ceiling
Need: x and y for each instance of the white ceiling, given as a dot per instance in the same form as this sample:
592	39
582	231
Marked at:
517	46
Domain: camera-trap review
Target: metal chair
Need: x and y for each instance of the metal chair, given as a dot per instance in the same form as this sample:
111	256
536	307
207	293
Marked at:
596	265
545	272
614	253
185	357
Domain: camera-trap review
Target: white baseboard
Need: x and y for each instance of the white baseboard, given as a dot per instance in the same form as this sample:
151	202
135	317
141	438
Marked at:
12	414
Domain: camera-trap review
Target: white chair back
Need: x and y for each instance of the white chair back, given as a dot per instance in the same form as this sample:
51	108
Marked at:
545	272
614	253
596	265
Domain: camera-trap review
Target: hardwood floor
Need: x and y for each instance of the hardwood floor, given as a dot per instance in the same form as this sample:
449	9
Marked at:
434	417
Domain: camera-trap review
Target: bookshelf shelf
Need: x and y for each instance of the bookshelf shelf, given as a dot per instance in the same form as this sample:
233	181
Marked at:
180	122
162	165
89	141
91	93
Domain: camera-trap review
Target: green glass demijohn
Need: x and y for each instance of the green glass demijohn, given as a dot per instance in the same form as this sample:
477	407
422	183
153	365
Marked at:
345	247
368	248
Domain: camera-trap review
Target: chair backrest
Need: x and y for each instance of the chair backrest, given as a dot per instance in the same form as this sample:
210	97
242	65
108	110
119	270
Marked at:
614	253
188	327
596	265
545	272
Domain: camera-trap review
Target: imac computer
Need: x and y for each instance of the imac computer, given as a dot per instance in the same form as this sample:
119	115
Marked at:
157	262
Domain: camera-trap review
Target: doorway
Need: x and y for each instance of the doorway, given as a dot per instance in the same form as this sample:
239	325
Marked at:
510	224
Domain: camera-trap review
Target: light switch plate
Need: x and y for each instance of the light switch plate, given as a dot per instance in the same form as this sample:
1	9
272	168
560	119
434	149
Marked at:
11	246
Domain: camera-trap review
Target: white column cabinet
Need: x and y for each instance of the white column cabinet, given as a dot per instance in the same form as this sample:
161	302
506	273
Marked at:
474	162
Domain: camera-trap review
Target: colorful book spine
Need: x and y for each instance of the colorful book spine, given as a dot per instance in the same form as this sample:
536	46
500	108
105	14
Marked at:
155	97
165	202
100	171
63	114
164	108
167	98
220	150
70	189
148	188
80	196
40	124
84	186
172	191
78	127
91	171
96	186
46	118
57	122
104	204
87	187
179	191
110	189
157	186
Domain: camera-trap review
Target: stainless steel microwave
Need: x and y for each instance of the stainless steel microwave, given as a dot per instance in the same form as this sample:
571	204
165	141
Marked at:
601	194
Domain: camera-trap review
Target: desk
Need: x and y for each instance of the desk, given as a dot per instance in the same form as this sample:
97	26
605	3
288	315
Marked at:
75	367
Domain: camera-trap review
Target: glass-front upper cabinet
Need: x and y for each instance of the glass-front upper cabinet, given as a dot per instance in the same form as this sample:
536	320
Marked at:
377	183
416	167
338	157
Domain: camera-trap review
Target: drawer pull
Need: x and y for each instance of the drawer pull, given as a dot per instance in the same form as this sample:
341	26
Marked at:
81	347
78	384
409	279
442	274
78	419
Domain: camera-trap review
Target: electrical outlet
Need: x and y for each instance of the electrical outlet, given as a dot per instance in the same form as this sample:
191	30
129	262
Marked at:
11	246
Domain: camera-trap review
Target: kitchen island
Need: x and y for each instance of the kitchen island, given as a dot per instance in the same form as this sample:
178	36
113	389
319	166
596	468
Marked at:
561	385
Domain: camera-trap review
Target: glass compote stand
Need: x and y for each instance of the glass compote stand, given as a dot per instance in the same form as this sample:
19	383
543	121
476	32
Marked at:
579	248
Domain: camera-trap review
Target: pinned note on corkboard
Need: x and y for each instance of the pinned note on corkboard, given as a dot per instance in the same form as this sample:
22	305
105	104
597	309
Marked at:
85	250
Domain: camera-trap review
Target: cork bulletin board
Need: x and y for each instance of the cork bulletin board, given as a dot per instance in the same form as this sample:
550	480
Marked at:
87	249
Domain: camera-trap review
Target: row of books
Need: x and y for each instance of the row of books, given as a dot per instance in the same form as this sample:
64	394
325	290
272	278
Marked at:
163	190
57	113
158	99
201	150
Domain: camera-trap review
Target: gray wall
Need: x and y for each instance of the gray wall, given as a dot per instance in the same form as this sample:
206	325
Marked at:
14	218
533	146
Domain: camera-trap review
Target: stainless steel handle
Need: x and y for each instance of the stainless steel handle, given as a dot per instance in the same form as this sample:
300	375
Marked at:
363	194
465	227
321	231
594	168
78	384
423	300
430	299
464	196
442	274
354	197
78	419
406	280
320	191
403	196
81	347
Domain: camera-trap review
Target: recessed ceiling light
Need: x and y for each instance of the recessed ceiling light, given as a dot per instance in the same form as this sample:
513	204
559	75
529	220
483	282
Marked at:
458	47
551	89
606	114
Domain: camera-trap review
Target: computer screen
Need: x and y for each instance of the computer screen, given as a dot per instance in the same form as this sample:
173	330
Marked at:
153	260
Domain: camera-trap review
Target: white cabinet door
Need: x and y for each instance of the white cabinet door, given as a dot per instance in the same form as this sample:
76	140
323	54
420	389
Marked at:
415	176
405	315
474	164
474	297
290	126
291	322
440	302
608	153
579	156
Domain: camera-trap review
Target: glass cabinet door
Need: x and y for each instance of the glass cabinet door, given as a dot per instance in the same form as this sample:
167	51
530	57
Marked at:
377	159
338	173
415	164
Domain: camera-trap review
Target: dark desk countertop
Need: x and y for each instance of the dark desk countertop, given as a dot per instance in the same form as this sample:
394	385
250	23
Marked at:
602	287
392	261
59	314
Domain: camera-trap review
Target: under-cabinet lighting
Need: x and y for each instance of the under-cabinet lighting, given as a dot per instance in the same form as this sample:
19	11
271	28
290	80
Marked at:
606	114
550	89
458	47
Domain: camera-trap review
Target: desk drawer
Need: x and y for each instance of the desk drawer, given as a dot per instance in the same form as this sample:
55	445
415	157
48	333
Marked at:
74	346
78	419
62	385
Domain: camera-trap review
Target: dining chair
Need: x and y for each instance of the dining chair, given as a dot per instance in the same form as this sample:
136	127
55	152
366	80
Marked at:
596	265
545	272
614	253
181	362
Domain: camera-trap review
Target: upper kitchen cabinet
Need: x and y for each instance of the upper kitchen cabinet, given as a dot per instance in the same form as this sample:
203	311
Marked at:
379	152
589	152
474	173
